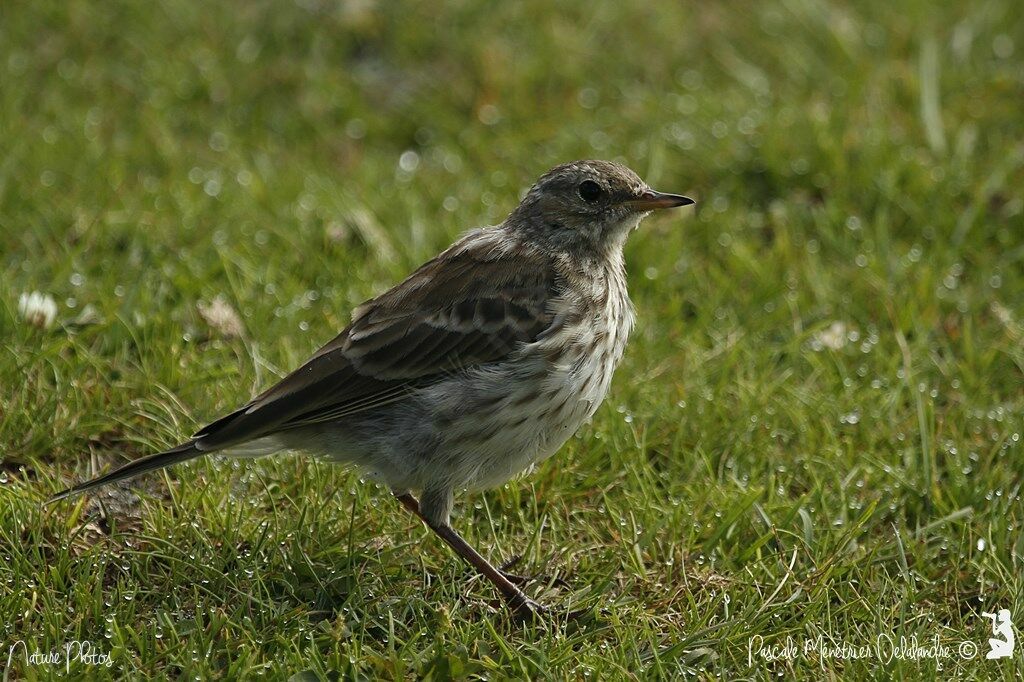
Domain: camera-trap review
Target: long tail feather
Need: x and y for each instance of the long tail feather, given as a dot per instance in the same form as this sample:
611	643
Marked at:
159	460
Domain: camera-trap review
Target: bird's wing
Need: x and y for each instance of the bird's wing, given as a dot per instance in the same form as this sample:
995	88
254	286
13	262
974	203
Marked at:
466	307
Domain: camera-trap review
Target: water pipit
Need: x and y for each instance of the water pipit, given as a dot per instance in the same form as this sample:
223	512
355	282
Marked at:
480	364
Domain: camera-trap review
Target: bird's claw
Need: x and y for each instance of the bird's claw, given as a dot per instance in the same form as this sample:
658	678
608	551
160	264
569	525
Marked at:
517	579
512	561
513	578
527	609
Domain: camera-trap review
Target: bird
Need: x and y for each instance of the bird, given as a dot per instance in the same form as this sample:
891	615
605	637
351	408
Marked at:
473	369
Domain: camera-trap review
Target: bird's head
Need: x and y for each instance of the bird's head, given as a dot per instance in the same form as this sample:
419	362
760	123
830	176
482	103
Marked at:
587	205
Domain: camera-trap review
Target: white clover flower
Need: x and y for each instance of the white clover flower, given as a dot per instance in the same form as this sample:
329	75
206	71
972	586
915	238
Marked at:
221	317
37	309
833	338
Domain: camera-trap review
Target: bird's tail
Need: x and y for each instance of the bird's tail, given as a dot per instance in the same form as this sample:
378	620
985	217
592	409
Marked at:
159	460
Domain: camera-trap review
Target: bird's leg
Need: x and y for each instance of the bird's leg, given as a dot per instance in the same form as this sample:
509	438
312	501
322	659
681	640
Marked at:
410	503
513	596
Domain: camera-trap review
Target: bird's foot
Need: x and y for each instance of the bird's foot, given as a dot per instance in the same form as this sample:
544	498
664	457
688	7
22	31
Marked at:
513	578
527	609
520	580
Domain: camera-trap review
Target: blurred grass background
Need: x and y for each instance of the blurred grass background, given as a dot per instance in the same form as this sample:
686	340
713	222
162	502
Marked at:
816	430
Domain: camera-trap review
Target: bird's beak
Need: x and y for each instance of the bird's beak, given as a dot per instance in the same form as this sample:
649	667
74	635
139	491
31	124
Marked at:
650	200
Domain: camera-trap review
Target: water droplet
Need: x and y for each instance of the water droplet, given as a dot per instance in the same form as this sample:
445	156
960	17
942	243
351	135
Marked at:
409	161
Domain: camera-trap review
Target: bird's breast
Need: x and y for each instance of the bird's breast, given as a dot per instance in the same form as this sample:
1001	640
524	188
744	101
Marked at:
583	355
508	416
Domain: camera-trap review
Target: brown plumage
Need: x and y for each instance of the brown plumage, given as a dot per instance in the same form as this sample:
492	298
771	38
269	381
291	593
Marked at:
479	364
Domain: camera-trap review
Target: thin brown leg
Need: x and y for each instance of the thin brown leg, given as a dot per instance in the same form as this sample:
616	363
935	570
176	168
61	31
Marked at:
513	596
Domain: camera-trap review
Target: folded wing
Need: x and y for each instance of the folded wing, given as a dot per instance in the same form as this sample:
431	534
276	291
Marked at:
469	306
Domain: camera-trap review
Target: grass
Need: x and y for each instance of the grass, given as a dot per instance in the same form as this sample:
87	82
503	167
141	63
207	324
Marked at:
816	430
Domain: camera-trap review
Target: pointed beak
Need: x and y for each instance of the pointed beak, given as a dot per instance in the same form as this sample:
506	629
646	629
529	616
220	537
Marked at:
650	200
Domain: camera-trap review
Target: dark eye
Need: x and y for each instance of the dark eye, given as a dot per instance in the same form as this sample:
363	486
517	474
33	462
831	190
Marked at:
589	191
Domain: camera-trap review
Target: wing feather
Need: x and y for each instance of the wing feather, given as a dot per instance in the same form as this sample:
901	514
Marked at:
472	305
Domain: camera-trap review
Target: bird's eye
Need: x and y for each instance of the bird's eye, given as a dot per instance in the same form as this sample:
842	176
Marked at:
589	191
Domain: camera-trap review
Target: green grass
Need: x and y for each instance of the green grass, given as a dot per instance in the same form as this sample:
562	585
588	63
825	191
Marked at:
816	429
